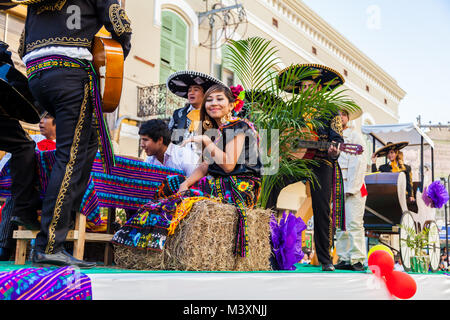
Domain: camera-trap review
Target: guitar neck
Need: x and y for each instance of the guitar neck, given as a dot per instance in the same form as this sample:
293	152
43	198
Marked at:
320	145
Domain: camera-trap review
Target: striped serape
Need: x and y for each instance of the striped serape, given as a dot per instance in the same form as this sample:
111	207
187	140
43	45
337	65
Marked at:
130	185
45	284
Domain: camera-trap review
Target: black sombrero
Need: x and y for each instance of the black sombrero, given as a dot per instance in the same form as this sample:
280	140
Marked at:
179	82
16	100
324	74
26	2
383	151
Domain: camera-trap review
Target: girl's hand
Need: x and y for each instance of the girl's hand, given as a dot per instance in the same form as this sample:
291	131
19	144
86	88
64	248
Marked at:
183	187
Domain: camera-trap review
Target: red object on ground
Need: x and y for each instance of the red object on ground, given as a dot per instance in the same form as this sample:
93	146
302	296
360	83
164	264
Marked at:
381	263
401	285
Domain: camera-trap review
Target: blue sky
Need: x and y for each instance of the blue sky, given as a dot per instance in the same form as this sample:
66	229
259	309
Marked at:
410	40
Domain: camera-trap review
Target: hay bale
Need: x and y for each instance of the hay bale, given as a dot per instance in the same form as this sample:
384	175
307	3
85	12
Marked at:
259	249
138	259
204	240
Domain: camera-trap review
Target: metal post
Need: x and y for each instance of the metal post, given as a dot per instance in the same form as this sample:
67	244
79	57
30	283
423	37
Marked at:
432	164
421	164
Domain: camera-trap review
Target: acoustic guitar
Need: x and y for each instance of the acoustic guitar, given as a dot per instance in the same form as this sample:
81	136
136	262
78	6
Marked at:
306	149
108	63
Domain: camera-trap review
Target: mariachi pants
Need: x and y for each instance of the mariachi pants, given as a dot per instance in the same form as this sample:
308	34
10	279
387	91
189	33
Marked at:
351	244
16	141
321	196
65	94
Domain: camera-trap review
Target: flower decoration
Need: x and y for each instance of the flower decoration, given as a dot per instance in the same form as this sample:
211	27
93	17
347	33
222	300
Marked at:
287	240
239	95
435	195
243	186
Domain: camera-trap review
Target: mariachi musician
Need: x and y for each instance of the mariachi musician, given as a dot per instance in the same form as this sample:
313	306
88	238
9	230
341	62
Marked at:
15	105
57	52
396	164
192	86
321	193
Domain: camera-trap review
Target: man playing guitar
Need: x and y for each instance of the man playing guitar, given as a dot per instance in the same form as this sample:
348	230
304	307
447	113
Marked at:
321	192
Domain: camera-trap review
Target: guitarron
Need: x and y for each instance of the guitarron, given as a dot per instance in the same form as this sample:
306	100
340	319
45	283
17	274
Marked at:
108	63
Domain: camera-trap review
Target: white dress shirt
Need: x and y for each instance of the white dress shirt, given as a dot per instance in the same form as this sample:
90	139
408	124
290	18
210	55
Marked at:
176	157
353	167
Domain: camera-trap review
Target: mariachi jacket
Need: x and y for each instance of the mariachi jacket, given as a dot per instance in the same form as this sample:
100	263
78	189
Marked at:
331	130
73	23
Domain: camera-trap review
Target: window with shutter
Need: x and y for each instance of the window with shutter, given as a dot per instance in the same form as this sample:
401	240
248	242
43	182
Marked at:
174	40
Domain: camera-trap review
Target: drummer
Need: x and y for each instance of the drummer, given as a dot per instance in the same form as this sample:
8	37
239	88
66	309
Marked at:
396	164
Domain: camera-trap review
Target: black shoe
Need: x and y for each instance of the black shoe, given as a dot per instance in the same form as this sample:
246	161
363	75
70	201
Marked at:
358	267
328	267
60	259
343	265
30	224
5	254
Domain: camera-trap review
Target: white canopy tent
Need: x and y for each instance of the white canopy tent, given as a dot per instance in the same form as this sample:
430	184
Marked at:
410	132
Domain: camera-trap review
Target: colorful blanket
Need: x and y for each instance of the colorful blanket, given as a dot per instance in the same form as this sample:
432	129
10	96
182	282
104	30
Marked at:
130	185
45	284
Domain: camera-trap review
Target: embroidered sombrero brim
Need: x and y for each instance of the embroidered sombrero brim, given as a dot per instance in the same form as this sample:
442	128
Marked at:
354	114
323	74
6	4
179	82
31	1
383	151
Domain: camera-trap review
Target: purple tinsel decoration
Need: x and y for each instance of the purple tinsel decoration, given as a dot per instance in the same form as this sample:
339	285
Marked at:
287	240
435	195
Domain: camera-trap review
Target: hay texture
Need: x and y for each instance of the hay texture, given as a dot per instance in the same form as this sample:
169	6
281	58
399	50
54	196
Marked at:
204	241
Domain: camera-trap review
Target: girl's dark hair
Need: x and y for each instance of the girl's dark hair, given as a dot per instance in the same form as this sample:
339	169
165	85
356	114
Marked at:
215	88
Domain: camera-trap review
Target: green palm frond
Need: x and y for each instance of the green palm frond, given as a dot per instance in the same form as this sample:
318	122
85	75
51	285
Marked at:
254	62
251	60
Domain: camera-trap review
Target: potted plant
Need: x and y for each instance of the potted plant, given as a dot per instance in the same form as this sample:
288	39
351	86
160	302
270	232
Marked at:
418	243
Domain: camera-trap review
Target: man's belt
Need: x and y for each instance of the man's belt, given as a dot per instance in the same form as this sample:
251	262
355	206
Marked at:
56	61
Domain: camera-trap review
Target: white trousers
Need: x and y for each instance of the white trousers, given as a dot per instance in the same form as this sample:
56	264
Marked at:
351	244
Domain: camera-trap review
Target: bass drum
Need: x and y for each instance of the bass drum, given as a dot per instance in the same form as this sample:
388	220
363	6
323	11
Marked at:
16	100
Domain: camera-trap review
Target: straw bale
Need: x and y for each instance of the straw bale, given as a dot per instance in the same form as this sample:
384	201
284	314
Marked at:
259	249
204	241
138	259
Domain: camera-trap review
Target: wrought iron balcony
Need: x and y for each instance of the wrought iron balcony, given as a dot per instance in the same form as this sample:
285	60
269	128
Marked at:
157	102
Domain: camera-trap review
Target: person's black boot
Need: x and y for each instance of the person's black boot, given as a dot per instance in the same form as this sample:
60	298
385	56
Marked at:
327	267
343	265
60	259
5	254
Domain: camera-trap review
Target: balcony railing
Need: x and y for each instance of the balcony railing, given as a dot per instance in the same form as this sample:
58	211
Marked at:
157	102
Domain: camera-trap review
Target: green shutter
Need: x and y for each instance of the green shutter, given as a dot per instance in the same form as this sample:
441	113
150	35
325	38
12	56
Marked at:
173	45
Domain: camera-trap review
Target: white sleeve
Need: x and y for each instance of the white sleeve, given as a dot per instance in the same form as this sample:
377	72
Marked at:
356	167
190	161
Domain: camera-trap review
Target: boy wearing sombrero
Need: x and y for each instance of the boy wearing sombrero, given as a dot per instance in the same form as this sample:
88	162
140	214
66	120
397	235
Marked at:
351	244
324	191
192	86
392	152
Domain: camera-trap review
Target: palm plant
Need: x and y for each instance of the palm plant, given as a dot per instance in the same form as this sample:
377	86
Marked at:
282	116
